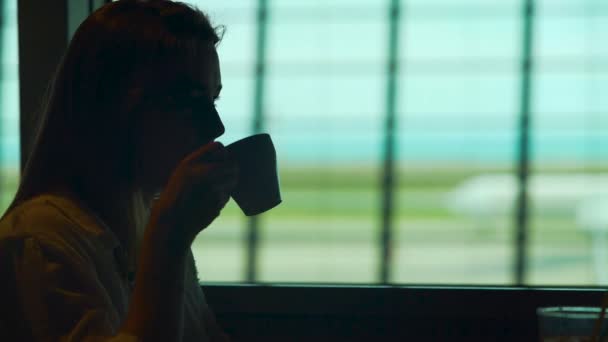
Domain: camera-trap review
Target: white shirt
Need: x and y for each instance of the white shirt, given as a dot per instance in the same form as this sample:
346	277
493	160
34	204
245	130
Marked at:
60	271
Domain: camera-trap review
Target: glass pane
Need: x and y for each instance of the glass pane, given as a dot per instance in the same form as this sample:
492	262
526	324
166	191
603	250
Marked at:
458	108
214	7
462	9
348	46
465	4
457	40
9	104
571	7
322	5
325	109
569	189
456	99
312	13
571	43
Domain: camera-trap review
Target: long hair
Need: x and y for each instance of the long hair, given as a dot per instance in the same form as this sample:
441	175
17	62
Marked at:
84	141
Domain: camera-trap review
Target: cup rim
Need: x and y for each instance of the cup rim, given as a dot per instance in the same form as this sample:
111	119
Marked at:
250	137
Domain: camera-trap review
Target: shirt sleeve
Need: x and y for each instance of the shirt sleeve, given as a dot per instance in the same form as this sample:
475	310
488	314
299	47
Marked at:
195	324
199	320
59	294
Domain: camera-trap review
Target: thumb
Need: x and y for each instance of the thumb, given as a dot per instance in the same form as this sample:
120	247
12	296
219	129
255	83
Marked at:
205	153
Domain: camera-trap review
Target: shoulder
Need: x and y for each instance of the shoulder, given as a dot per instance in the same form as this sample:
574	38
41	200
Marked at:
55	221
55	272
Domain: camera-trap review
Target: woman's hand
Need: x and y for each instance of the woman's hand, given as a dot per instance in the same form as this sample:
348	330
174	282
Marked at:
196	192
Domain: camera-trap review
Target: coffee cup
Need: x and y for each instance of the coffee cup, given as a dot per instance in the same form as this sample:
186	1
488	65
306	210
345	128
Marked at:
258	188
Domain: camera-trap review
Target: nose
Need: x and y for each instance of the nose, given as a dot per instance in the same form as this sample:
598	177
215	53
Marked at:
216	125
211	126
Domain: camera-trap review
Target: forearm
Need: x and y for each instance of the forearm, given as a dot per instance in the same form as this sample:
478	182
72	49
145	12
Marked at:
155	311
196	306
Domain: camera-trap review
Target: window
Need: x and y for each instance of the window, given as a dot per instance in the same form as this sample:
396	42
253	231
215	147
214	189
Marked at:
568	221
457	115
461	84
9	103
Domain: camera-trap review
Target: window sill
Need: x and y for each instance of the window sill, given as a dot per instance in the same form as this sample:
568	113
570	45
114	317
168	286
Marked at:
389	312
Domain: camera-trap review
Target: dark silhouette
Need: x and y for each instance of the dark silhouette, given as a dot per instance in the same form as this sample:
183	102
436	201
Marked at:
123	174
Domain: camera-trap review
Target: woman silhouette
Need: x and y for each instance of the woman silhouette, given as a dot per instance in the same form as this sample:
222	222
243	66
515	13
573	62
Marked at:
123	174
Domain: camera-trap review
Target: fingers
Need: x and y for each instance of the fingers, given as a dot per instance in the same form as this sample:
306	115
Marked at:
216	199
217	173
203	184
214	151
208	148
218	181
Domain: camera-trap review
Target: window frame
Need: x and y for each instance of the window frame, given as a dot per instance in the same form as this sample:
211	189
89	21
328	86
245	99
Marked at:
47	27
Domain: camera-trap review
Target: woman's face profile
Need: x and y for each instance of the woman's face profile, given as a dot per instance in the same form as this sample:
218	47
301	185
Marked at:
184	120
